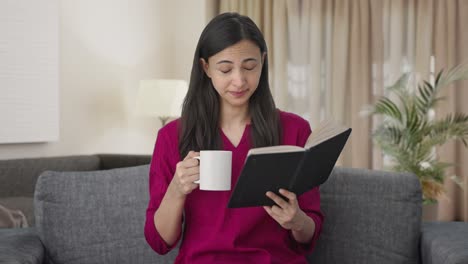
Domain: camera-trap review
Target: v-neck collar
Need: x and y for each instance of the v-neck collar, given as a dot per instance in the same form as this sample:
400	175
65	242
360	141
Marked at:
241	141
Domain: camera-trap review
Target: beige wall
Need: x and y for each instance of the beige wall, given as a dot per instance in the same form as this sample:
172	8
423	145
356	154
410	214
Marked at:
106	47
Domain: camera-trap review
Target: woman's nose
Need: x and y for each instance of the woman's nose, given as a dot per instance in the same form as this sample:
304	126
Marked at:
238	78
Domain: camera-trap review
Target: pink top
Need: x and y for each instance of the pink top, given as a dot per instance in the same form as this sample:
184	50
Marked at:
214	233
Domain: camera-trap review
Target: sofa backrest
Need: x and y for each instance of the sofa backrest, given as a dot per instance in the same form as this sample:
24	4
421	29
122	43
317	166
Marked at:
98	217
370	217
113	161
95	217
18	176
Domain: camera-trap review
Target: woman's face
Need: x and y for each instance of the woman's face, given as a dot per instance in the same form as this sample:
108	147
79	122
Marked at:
235	72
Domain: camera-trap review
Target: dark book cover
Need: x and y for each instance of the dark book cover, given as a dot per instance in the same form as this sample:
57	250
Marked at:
297	172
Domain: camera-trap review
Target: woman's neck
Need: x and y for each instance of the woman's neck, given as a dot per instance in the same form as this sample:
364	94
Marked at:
231	116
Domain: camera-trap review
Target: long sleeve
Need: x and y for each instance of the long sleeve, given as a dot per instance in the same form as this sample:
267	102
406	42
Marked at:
161	171
309	202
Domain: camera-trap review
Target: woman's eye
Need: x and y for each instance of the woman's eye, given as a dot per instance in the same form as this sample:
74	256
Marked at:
225	71
250	67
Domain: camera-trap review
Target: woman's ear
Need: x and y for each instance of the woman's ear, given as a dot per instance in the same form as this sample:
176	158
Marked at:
205	65
264	57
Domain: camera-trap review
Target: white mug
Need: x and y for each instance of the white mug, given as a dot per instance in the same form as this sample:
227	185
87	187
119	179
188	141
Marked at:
215	170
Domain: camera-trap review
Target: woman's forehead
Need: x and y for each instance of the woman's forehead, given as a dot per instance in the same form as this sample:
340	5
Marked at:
243	50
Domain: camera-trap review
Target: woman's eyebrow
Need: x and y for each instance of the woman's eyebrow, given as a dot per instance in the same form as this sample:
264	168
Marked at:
230	62
224	61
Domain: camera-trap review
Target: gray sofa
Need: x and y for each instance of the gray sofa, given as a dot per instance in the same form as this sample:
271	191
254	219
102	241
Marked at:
18	176
95	214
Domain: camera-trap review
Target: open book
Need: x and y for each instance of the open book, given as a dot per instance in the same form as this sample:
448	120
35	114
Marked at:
292	168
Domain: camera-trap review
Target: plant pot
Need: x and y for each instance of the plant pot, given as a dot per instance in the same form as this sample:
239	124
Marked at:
429	212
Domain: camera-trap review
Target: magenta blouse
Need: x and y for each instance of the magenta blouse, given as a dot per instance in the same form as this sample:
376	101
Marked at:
214	233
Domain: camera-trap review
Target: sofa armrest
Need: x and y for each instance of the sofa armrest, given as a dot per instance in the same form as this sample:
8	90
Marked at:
112	161
444	242
20	245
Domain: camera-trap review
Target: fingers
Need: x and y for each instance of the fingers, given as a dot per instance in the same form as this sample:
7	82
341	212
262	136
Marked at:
189	179
186	184
277	199
286	213
187	172
189	166
276	213
290	195
269	211
190	161
192	154
182	172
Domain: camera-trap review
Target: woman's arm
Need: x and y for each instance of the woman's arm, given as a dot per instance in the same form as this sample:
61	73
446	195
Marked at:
168	217
304	232
290	216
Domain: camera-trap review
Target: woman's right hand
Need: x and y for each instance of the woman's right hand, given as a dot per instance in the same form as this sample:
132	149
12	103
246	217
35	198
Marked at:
187	171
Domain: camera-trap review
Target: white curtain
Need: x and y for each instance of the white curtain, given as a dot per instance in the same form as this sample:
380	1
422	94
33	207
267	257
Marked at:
329	58
329	68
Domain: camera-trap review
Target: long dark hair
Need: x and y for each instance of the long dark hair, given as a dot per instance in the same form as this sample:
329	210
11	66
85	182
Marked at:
201	107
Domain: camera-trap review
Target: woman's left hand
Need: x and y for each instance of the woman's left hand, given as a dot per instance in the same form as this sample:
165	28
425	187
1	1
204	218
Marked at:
286	213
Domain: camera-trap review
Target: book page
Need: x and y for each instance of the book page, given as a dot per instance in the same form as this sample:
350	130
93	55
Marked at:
275	149
326	129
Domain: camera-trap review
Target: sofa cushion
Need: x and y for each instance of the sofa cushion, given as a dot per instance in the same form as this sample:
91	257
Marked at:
94	217
444	242
370	217
20	246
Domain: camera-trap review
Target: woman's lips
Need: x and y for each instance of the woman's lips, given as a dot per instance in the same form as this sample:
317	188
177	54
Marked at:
239	93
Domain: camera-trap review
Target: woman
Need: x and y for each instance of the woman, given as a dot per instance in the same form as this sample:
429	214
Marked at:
228	106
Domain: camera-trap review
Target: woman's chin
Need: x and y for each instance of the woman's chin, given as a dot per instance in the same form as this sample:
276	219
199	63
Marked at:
238	102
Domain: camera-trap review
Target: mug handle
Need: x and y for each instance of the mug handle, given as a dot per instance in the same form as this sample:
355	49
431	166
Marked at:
199	160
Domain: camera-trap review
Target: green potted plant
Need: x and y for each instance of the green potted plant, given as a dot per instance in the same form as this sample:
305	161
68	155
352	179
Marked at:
409	131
